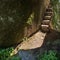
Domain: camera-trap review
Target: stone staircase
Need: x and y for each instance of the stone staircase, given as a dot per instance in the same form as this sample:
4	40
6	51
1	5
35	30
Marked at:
45	24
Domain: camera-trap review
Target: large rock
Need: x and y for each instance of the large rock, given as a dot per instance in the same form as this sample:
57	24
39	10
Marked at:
13	17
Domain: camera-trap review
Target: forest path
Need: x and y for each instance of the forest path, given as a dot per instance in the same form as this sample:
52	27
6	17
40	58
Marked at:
37	44
33	42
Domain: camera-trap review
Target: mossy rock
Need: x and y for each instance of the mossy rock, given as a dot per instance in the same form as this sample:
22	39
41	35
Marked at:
13	16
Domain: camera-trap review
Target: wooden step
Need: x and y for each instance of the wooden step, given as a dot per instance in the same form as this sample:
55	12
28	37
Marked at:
47	17
45	22
49	9
48	13
45	28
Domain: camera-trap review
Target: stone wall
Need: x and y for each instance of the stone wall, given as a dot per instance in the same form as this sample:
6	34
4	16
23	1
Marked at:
13	17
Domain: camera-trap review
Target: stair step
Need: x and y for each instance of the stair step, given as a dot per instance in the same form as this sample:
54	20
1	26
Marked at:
46	22
49	9
45	28
48	12
47	17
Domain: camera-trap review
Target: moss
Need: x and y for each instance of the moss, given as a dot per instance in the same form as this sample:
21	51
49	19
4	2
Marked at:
30	19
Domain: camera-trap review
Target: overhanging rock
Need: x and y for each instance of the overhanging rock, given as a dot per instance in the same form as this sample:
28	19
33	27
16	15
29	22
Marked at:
13	18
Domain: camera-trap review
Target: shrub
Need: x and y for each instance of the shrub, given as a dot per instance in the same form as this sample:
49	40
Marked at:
50	55
14	58
5	54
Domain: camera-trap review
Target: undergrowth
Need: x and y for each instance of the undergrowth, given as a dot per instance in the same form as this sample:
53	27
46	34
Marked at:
50	55
5	54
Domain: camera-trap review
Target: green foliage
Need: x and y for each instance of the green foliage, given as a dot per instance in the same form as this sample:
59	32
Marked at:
5	53
30	19
54	2
14	58
56	17
50	55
